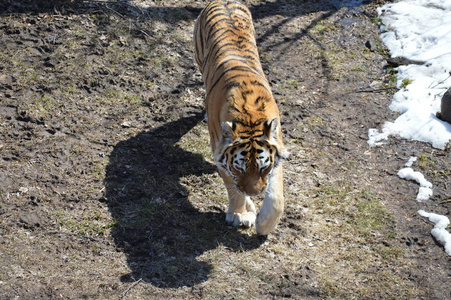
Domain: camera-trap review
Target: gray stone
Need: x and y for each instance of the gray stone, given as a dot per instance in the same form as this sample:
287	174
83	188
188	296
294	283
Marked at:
446	106
31	220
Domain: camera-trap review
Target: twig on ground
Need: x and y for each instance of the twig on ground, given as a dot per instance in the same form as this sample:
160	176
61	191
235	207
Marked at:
124	294
298	161
124	18
376	90
78	235
436	153
438	83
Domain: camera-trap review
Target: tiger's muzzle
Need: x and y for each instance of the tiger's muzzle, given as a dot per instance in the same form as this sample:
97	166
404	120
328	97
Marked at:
251	186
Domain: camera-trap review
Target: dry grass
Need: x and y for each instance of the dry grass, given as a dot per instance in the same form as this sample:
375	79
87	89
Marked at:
117	217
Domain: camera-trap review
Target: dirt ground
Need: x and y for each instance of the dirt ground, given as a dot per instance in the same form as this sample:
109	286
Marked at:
108	188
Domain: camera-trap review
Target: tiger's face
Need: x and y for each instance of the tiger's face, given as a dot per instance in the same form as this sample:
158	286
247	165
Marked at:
249	163
250	160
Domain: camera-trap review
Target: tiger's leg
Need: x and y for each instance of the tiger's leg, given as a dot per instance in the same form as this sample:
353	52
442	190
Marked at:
241	211
272	208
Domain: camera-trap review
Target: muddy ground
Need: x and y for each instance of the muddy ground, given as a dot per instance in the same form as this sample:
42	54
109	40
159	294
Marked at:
108	188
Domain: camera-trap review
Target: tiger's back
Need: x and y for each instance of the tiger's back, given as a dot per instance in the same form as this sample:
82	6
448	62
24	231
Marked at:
227	55
225	41
243	118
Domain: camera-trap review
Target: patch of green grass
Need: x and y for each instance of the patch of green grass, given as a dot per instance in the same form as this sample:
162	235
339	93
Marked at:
359	69
359	237
264	57
361	210
337	60
291	84
44	105
310	123
197	141
97	169
405	82
92	223
122	96
376	20
392	79
424	161
371	216
323	26
155	208
163	61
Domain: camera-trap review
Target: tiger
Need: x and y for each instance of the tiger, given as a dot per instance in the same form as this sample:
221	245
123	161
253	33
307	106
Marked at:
242	116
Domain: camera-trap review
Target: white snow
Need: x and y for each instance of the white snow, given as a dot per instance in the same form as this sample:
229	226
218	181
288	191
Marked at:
409	174
411	160
425	190
424	193
419	30
439	230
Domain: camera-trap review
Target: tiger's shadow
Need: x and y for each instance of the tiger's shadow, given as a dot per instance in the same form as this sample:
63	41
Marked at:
158	229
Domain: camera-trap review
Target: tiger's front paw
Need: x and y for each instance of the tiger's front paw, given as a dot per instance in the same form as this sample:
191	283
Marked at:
246	219
267	220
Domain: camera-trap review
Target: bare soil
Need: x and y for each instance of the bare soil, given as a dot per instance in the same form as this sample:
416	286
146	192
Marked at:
108	188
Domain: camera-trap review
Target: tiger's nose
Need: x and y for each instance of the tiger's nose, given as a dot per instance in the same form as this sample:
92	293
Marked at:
252	191
252	187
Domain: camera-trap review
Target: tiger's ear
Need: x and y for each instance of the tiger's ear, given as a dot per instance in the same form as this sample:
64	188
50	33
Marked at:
270	129
227	132
271	133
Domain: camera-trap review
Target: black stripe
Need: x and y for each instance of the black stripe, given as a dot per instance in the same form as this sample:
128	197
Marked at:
235	68
225	62
210	34
262	107
244	10
209	18
258	99
208	11
241	8
233	77
258	83
216	50
236	53
254	82
244	109
235	109
232	85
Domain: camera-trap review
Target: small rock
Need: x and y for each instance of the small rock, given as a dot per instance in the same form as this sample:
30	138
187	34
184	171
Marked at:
402	61
31	220
126	124
445	113
369	44
23	190
6	79
49	65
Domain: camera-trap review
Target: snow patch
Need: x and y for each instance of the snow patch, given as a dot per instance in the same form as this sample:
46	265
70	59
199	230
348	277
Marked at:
425	191
411	160
419	30
439	230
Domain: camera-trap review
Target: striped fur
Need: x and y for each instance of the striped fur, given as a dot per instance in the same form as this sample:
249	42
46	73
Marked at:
243	118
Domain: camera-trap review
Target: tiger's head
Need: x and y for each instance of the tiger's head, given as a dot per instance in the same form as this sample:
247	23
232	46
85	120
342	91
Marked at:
249	156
